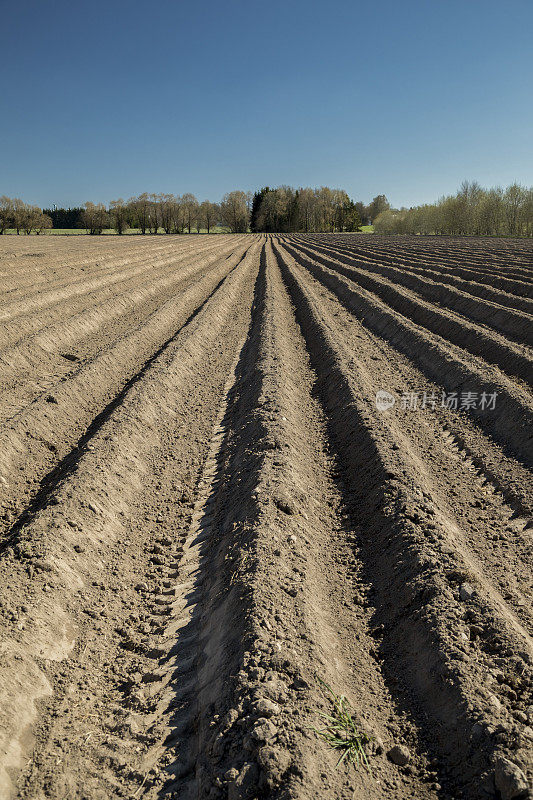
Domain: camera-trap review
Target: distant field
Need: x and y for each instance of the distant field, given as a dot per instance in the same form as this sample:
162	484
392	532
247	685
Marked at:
107	232
136	231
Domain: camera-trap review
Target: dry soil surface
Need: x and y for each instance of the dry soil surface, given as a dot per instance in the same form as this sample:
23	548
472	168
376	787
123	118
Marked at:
206	516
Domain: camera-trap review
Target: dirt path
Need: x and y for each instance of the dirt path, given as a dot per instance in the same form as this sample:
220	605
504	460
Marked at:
207	520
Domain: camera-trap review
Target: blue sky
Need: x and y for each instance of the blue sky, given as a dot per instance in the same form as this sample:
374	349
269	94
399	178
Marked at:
106	99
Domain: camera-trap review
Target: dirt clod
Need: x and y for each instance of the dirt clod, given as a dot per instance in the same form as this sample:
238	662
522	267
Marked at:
510	780
399	754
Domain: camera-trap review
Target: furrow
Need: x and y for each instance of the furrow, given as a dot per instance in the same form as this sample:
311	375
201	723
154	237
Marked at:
45	434
513	360
268	622
76	297
91	526
452	264
450	366
450	642
36	364
491	311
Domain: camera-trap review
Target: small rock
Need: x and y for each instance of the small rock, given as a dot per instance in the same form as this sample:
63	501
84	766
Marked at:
495	703
399	754
44	566
231	774
466	592
79	548
510	780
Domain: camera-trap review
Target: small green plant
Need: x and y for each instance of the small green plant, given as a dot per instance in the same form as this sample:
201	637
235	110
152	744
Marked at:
340	731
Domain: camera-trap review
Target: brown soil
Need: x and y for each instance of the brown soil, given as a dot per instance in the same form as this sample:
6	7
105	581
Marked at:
205	516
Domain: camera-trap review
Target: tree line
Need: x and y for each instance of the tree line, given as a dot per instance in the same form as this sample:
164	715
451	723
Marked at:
149	213
286	210
472	211
283	209
22	217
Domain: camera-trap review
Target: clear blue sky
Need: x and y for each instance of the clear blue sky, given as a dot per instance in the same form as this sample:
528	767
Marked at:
106	99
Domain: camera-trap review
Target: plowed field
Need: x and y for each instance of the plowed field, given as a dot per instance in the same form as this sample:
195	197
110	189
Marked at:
235	469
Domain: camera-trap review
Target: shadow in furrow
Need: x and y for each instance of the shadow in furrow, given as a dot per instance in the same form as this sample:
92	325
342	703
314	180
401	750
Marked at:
211	637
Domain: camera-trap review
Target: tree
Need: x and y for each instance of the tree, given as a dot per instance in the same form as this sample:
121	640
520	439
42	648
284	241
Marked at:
208	214
42	222
119	213
306	198
178	215
95	217
167	211
362	210
378	205
257	199
190	209
513	202
154	219
18	214
350	219
140	210
234	211
528	213
30	218
490	213
6	213
65	217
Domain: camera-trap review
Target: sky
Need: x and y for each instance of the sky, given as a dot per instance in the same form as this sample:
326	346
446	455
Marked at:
103	100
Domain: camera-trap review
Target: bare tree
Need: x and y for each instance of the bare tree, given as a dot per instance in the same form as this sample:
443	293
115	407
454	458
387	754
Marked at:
30	218
178	221
140	209
154	214
208	214
514	199
234	211
95	217
190	208
18	214
167	211
6	213
42	222
119	213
